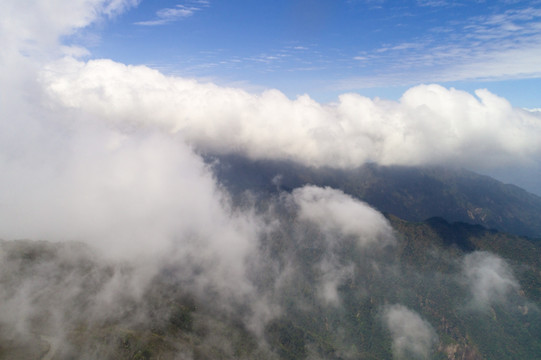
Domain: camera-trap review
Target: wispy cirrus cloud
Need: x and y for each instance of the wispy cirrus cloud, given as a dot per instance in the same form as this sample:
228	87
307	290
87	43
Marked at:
503	45
432	3
288	58
180	11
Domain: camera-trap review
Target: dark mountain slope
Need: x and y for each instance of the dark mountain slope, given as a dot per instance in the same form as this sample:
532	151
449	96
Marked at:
411	193
461	238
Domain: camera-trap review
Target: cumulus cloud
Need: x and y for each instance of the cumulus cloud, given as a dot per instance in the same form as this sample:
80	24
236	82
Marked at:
334	211
490	279
430	124
413	337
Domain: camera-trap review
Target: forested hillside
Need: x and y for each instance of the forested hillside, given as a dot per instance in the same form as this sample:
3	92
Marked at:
319	285
411	193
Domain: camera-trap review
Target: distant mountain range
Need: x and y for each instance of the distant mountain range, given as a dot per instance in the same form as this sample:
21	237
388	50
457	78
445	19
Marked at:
411	193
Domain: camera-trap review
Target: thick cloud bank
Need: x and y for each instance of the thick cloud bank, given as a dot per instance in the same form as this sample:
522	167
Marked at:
430	124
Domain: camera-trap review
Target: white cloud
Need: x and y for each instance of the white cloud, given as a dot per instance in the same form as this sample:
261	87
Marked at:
429	125
413	337
133	193
75	51
36	25
432	3
334	275
340	218
141	196
180	11
499	46
334	211
489	278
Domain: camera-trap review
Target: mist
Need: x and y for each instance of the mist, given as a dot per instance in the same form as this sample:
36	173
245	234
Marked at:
413	337
490	278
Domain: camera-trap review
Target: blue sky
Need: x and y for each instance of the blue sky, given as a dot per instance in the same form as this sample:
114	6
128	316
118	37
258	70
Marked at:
328	47
69	59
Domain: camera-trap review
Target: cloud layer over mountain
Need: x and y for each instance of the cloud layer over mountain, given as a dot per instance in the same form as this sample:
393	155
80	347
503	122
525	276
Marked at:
429	125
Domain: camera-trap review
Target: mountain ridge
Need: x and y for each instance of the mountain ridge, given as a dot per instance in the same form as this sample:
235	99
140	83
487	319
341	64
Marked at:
411	193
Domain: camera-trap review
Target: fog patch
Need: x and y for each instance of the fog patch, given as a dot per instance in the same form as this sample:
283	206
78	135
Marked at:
413	337
334	211
344	225
489	278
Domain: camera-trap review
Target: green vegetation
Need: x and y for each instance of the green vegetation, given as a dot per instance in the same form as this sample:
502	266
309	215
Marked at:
422	272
